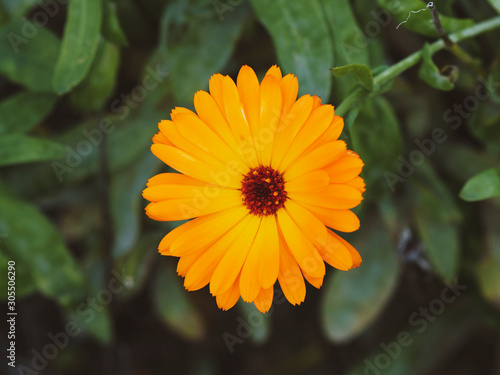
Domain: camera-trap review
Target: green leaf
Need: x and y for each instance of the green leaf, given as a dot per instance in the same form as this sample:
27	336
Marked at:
22	112
182	54
430	73
28	61
126	200
17	149
24	282
349	42
260	331
487	269
436	217
174	307
111	28
92	94
362	73
428	341
377	121
17	8
301	40
36	245
422	22
495	4
482	186
354	299
79	44
95	321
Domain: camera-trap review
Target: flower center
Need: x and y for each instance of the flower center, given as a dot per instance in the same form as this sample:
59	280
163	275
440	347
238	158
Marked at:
263	191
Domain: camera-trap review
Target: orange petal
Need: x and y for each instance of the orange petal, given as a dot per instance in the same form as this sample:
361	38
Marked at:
264	300
270	111
290	278
215	87
311	226
335	253
274	71
230	265
173	179
336	196
289	87
195	167
249	90
346	168
342	220
317	159
229	298
203	230
302	249
356	258
311	182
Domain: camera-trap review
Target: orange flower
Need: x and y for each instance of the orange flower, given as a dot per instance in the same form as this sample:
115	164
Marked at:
263	176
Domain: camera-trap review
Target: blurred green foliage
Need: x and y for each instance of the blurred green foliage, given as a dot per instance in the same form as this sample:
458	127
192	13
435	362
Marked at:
83	84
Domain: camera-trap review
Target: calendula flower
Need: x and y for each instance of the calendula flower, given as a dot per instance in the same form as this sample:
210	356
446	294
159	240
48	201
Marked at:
263	177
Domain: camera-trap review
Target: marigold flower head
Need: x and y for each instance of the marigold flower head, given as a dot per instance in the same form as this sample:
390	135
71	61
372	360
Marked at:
264	179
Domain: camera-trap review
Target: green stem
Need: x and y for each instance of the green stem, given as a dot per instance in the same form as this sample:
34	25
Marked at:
414	58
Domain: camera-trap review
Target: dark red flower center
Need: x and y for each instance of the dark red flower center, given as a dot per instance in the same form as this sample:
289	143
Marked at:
263	191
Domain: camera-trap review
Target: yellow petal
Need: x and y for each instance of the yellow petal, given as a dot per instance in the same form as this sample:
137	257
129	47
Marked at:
311	226
342	220
357	183
235	115
303	251
196	168
187	261
230	266
335	196
316	282
262	264
274	71
270	110
173	179
346	168
210	113
264	300
215	87
202	270
249	90
356	258
269	260
178	110
290	278
203	230
192	128
311	182
161	138
317	159
316	124
194	206
289	87
229	298
289	127
331	134
335	253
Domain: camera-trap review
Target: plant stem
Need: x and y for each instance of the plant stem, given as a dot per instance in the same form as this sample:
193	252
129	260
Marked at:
414	58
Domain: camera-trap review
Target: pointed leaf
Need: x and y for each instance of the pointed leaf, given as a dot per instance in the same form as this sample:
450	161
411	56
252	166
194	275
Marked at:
362	73
484	185
302	41
354	299
79	44
111	28
174	307
430	73
17	149
25	61
22	112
